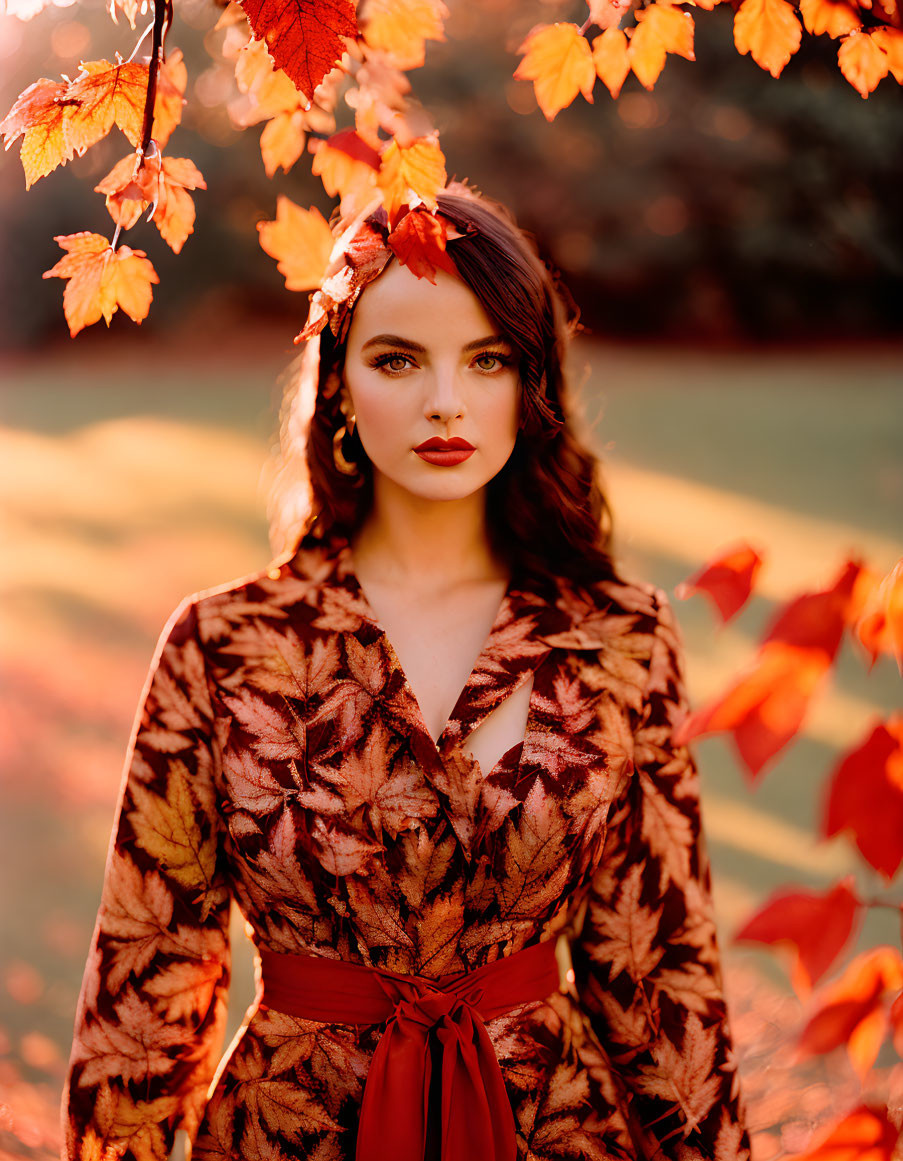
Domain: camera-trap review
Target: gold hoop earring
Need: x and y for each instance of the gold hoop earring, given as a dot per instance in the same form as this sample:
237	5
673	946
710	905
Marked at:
345	466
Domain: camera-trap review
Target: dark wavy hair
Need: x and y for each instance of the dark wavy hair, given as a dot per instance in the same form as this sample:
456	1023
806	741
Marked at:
547	512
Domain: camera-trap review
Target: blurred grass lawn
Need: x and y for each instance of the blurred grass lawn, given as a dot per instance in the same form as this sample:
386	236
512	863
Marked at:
130	480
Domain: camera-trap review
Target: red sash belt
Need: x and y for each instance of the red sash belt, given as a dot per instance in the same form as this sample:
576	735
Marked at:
476	1119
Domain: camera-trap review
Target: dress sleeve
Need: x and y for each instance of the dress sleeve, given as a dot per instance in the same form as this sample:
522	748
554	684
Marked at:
647	961
152	1007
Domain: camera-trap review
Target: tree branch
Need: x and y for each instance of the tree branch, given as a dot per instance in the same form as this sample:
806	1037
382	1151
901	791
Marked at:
162	21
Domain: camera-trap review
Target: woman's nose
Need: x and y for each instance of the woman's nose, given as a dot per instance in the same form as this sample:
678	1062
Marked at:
445	400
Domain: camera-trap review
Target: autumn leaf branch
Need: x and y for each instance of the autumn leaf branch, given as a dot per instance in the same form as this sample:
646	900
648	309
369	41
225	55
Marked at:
763	710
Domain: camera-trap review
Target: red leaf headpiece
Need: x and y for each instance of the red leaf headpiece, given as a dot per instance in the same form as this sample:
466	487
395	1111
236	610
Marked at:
415	235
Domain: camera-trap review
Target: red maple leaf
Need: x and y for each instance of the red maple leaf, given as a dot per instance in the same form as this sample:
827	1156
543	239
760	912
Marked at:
764	708
418	242
853	1010
865	796
304	37
728	580
816	925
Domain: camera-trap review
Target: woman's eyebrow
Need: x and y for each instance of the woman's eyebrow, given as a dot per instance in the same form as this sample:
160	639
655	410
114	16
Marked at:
419	349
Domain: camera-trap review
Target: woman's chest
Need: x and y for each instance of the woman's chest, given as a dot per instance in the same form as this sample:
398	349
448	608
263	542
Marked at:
339	803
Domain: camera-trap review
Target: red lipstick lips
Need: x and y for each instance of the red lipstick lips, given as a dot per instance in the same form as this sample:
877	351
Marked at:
445	452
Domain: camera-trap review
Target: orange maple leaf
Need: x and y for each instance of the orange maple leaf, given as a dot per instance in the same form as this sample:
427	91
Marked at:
834	17
661	28
611	59
301	242
130	187
865	1134
304	37
416	170
102	280
40	114
862	62
400	29
880	625
559	62
769	31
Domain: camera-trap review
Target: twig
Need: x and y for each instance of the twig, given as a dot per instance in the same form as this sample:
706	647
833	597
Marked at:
162	20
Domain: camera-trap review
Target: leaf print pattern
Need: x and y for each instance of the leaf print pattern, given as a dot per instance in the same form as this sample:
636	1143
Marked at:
279	760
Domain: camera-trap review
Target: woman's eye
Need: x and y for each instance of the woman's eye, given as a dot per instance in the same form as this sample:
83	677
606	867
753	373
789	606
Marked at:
395	363
489	362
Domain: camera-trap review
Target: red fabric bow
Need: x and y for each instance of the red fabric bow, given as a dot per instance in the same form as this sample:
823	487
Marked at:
474	1110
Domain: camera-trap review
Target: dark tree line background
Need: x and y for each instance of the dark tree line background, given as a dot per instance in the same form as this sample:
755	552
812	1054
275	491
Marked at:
725	206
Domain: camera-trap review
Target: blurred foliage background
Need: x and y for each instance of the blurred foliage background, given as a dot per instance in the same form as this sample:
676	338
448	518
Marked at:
725	206
725	209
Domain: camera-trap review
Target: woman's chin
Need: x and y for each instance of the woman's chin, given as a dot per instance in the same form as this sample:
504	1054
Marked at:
431	482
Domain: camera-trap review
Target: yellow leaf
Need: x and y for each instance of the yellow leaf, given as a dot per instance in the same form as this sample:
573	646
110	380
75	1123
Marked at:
175	213
611	59
672	25
399	28
661	28
647	55
271	89
342	175
101	280
862	62
559	62
301	242
105	94
833	17
125	198
172	78
131	188
769	31
41	118
417	169
282	141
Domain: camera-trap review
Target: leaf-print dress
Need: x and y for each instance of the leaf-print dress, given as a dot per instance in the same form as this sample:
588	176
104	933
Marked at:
279	759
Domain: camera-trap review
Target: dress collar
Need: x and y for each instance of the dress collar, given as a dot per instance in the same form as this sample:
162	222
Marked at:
564	615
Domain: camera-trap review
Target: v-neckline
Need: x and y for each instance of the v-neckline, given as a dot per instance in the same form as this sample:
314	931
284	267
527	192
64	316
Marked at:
465	716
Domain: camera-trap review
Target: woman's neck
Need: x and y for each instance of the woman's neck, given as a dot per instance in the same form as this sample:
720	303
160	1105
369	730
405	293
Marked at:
411	542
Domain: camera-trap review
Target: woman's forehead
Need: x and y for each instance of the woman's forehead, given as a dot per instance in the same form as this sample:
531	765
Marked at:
446	312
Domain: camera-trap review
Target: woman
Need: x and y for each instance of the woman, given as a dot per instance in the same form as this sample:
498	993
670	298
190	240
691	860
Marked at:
428	752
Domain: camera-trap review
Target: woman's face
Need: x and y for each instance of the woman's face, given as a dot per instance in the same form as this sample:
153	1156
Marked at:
424	366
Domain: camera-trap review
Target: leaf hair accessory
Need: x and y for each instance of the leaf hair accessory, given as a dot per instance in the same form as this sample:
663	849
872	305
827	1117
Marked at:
415	234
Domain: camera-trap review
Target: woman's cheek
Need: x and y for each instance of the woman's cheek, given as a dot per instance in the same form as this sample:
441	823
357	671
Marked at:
381	429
